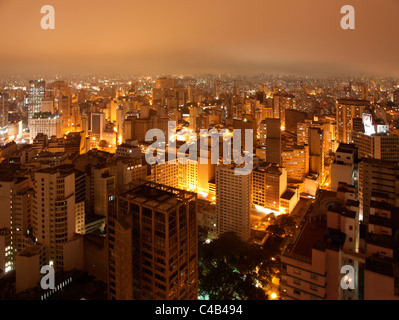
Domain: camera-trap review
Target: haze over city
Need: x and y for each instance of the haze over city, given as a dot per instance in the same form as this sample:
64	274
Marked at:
224	36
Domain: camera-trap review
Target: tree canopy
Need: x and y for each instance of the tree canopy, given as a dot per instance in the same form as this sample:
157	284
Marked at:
282	226
102	144
231	269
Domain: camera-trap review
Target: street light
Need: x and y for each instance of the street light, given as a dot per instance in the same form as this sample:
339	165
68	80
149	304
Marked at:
273	296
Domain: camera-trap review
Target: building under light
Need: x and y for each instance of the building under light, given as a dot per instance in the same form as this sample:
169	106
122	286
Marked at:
152	243
36	93
269	182
233	201
46	123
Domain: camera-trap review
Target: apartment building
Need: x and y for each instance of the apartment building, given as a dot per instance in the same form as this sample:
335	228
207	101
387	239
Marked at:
152	243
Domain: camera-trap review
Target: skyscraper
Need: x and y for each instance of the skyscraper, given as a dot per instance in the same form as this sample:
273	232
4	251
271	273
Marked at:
281	102
269	181
270	137
296	161
36	93
344	168
97	125
233	197
316	151
376	141
3	110
152	243
346	111
377	179
56	214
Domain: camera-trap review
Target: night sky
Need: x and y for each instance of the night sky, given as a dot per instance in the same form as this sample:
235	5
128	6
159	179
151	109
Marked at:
187	36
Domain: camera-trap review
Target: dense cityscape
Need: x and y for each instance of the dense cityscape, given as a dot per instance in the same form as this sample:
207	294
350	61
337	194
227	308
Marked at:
315	218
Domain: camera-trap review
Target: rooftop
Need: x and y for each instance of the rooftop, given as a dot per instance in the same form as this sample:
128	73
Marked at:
128	146
342	210
269	167
346	148
31	251
288	194
312	232
350	102
155	195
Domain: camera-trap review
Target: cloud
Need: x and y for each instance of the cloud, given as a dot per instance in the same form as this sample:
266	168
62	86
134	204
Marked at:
180	36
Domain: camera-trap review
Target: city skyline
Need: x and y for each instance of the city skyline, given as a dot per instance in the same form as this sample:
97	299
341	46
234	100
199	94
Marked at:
186	150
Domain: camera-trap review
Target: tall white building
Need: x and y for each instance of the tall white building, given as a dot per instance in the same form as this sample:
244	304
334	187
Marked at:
343	167
233	201
45	123
55	215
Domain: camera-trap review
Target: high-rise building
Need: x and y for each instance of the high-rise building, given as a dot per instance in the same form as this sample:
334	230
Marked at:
270	137
57	89
379	272
16	202
216	89
45	123
64	108
316	151
6	253
194	113
127	170
365	91
281	102
166	173
152	243
346	111
47	105
296	161
266	112
247	122
377	178
344	168
207	220
335	238
165	83
304	271
311	262
194	94
396	96
236	89
97	124
36	93
375	140
136	129
269	181
102	181
292	118
233	197
56	215
3	110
